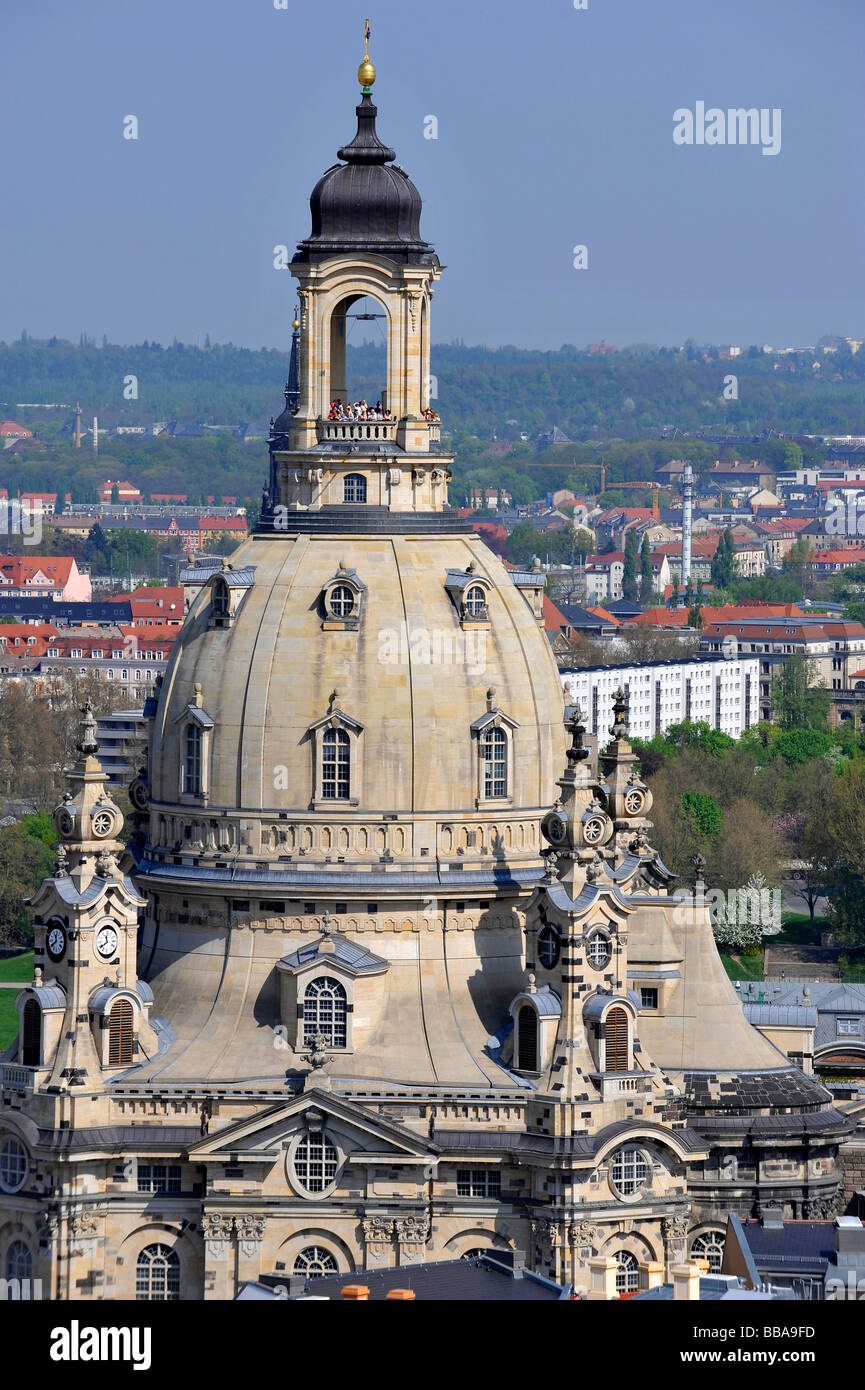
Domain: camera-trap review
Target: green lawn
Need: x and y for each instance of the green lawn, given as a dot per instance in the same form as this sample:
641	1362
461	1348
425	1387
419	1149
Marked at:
17	968
799	931
8	1018
743	967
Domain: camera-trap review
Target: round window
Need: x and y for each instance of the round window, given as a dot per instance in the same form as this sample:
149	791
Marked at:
341	601
634	803
548	947
13	1165
629	1172
599	950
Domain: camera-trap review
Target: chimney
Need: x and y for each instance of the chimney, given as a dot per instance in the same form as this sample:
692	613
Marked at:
359	1292
772	1219
399	1293
686	1283
602	1276
850	1238
651	1274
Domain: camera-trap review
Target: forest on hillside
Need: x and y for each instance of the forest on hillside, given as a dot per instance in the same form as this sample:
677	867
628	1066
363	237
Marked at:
634	394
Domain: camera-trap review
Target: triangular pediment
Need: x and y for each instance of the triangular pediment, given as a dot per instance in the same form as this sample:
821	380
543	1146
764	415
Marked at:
264	1134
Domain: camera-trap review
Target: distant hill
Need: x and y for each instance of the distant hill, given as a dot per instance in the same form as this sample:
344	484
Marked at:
488	392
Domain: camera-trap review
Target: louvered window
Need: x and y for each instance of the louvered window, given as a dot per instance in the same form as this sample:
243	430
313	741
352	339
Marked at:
616	1036
527	1027
120	1034
31	1034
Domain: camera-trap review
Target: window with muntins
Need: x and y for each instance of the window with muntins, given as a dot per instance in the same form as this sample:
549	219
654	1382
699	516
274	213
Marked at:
19	1263
120	1034
325	1012
315	1163
157	1275
335	765
313	1263
548	947
495	757
475	602
341	601
354	488
598	950
710	1246
629	1171
13	1165
479	1182
158	1177
527	1046
627	1272
192	760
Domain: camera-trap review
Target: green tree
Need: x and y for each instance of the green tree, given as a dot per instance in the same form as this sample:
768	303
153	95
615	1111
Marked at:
629	571
799	701
724	561
646	578
702	813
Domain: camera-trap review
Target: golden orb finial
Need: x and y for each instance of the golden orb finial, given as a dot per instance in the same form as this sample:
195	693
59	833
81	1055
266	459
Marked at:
366	71
296	321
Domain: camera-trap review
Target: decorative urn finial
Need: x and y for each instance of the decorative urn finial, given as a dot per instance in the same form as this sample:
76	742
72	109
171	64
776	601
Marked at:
366	71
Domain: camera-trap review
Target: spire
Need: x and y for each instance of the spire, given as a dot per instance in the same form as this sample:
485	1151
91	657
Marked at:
292	385
366	71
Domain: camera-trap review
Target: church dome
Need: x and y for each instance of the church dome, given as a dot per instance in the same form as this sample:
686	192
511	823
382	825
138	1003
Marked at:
367	203
265	666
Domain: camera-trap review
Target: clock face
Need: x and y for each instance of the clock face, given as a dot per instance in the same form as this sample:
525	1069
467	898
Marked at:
106	941
56	942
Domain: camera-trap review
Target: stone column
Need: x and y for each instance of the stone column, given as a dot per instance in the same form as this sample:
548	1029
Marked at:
249	1233
412	1233
378	1242
218	1262
675	1230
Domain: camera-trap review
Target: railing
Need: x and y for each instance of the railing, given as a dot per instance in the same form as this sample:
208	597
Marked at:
19	1077
622	1083
356	429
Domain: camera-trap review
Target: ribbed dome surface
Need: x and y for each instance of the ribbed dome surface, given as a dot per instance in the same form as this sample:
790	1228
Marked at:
367	203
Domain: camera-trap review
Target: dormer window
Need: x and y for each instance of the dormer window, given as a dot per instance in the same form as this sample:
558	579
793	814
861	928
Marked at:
494	732
193	760
354	488
336	765
469	592
195	734
336	760
221	598
495	761
341	601
475	602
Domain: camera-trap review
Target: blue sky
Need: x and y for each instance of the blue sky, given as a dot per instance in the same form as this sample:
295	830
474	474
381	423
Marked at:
555	129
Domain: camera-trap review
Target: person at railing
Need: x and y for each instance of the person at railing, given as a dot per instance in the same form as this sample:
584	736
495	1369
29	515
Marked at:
360	410
429	414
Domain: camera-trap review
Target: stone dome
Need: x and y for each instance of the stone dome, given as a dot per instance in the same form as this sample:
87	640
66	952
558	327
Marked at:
414	685
366	203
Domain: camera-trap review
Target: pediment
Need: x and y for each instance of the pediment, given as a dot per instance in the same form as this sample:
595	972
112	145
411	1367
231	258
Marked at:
264	1135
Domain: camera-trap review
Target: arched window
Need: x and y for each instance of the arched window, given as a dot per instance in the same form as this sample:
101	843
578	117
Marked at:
335	765
629	1171
616	1038
192	760
313	1263
710	1246
628	1272
19	1263
548	947
157	1275
315	1163
527	1039
120	1034
495	760
13	1165
354	488
475	602
341	601
221	599
31	1034
324	1011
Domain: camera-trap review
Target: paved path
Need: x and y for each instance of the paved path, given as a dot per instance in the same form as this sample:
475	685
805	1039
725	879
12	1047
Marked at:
15	984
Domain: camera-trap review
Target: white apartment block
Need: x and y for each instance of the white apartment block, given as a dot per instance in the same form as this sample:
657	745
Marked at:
725	694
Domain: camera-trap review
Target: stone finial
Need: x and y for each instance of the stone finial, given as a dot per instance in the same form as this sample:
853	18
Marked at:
87	744
531	985
61	862
491	698
699	863
577	752
37	977
619	727
470	567
197	695
331	700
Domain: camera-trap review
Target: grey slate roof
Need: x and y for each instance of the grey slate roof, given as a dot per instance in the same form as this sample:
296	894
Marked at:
781	1015
479	1280
354	957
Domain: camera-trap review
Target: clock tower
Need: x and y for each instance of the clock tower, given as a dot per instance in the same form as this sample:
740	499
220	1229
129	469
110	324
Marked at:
86	1012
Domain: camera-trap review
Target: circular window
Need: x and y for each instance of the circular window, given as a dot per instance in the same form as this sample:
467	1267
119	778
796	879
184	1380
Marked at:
627	1272
102	823
710	1246
65	823
13	1165
475	602
629	1172
599	950
548	947
314	1163
634	803
593	831
313	1263
341	601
